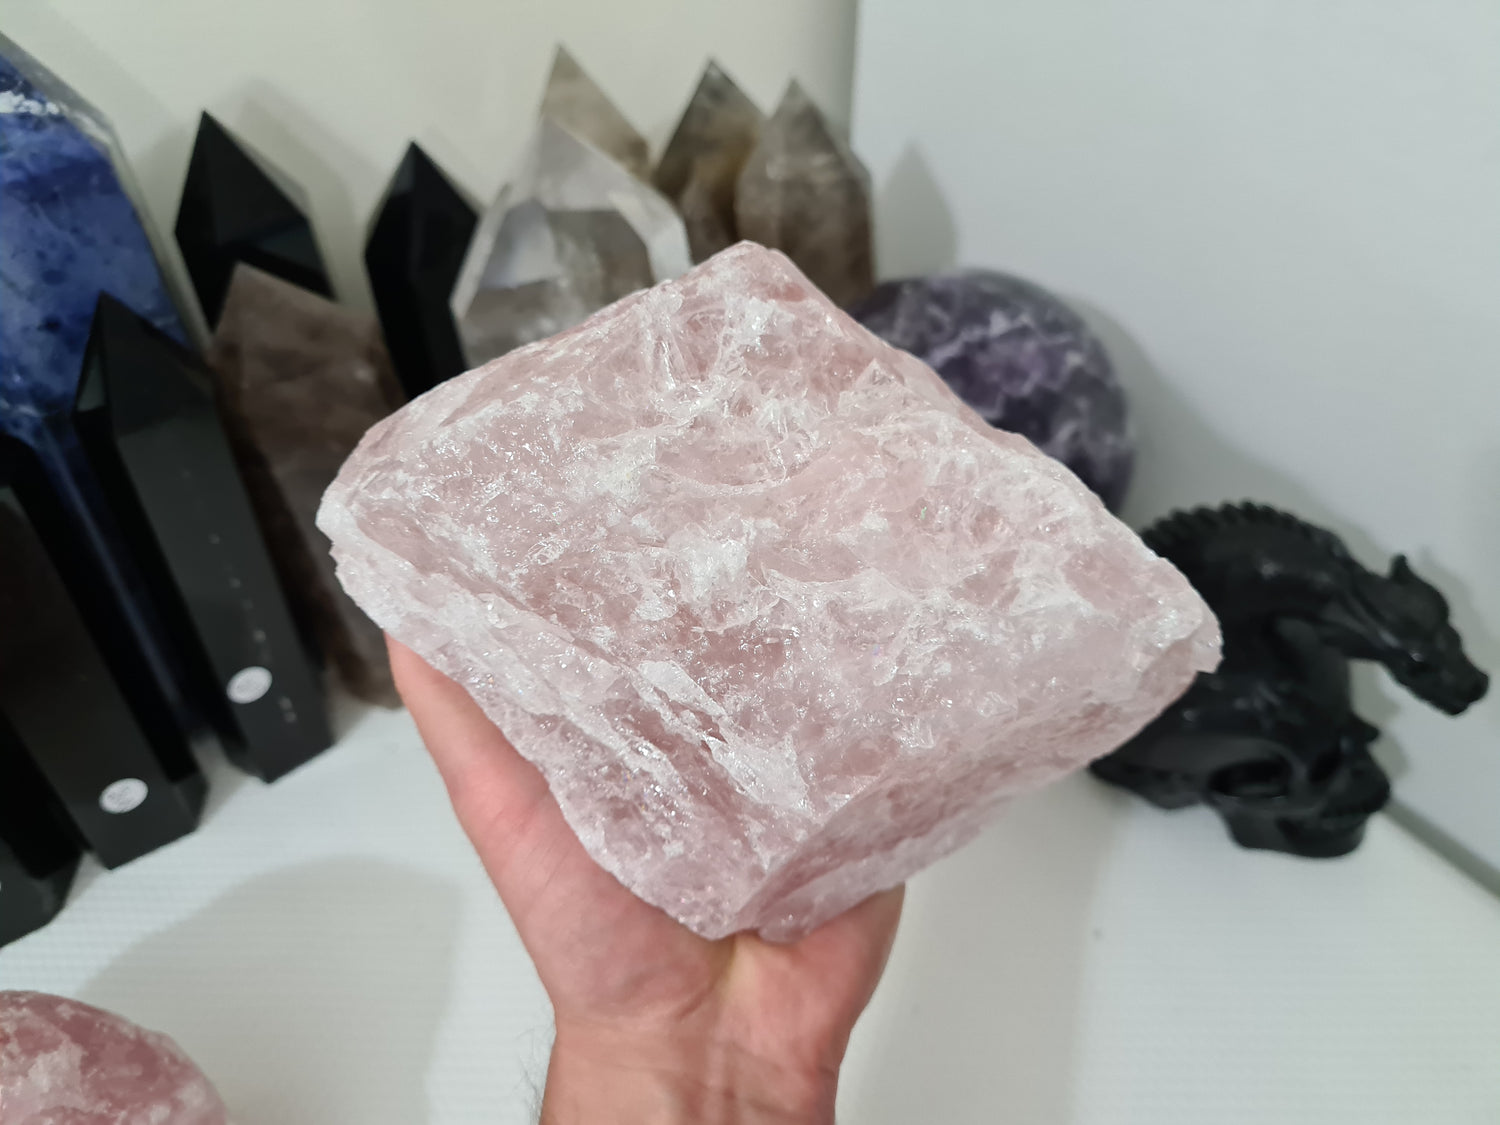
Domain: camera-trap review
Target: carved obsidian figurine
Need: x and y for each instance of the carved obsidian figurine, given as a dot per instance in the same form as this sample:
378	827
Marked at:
1270	740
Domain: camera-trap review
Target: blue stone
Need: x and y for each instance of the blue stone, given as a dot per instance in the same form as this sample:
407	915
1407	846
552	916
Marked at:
1022	359
68	232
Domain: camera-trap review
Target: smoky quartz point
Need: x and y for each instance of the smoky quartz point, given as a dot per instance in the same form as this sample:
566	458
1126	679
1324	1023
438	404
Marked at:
702	161
803	191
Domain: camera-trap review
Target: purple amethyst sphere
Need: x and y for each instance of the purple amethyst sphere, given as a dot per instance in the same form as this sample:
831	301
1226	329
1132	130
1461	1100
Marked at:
1021	358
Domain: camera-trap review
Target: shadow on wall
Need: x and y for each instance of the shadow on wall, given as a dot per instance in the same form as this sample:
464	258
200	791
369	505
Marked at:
924	238
1003	1043
309	996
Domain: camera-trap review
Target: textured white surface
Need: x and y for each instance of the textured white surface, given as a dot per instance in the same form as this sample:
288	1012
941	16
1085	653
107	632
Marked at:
329	951
1281	219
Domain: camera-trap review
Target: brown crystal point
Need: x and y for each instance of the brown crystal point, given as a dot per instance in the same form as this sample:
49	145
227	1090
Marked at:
576	102
804	192
702	162
300	380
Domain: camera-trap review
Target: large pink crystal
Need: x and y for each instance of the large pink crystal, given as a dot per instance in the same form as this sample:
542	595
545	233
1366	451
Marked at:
65	1063
780	619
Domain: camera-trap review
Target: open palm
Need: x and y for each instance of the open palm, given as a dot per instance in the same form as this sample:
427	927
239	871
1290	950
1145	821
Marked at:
631	988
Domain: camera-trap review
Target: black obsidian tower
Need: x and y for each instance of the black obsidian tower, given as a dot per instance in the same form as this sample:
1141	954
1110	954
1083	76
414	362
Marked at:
234	210
38	852
74	686
145	414
415	249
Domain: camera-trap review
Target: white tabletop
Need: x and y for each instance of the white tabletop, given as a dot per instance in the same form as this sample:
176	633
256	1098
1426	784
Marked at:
329	950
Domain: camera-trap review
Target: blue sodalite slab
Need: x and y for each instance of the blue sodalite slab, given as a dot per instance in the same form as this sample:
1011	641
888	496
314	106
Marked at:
1022	359
68	231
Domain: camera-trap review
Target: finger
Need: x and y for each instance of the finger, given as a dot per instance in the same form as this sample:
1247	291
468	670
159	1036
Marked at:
501	799
478	763
868	930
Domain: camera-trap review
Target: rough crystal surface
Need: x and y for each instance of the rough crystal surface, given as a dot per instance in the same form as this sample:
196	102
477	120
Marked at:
1021	358
576	102
702	161
804	192
300	379
581	268
150	427
66	1063
778	617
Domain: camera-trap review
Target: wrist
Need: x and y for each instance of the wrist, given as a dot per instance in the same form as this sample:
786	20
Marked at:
624	1077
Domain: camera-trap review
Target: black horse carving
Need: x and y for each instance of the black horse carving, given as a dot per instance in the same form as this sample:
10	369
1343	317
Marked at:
1270	739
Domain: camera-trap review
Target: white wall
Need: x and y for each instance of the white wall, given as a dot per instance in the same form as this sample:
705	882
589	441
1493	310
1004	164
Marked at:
332	90
1286	218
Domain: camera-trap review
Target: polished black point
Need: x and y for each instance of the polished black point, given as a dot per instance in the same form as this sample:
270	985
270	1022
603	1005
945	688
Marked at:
1270	740
234	210
146	417
415	249
74	686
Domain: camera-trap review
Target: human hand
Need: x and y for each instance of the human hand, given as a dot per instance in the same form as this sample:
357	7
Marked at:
654	1024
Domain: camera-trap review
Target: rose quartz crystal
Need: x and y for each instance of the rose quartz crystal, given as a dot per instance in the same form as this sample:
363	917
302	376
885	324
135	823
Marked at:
780	619
65	1063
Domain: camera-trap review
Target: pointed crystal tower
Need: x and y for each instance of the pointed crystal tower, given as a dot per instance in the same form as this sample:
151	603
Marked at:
63	1062
73	685
300	380
586	260
413	254
575	101
236	208
69	231
715	136
549	271
804	192
149	426
38	854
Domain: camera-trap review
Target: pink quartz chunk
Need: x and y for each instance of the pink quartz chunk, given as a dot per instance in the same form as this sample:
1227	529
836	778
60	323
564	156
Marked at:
65	1063
780	619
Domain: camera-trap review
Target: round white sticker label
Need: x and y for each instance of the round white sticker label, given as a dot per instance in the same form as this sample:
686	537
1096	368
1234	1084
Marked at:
123	796
248	684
